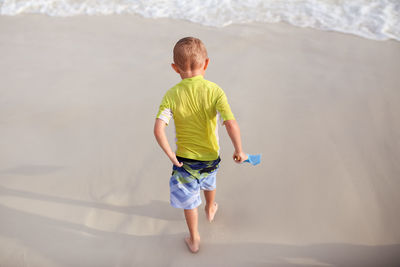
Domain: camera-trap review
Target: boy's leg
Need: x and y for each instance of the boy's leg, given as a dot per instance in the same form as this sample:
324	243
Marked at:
192	222
211	205
209	195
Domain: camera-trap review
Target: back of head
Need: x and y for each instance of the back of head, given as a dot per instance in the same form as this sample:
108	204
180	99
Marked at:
189	53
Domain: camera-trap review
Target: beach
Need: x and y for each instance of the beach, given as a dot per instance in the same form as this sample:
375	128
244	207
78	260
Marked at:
84	183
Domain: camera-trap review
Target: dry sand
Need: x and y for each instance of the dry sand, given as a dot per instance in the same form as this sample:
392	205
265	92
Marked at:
83	183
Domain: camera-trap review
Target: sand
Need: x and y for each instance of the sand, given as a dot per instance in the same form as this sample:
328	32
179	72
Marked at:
83	182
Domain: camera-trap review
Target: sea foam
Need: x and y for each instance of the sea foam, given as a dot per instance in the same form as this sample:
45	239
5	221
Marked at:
373	19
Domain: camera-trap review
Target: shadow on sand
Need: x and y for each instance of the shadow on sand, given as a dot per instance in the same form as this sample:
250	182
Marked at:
155	209
71	244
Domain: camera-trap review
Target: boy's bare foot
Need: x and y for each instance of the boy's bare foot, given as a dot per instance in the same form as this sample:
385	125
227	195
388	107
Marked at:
193	245
210	211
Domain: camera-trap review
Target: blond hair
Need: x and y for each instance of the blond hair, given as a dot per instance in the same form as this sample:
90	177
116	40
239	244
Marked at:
189	53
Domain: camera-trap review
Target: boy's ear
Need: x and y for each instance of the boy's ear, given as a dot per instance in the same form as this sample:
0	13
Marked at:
175	67
206	63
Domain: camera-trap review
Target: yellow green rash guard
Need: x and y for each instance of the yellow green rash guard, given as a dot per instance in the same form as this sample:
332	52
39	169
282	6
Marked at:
195	104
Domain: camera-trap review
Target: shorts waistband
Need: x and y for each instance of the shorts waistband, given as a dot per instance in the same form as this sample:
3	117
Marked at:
200	165
195	160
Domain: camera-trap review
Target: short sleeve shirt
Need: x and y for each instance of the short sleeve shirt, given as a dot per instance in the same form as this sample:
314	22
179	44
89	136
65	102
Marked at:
196	105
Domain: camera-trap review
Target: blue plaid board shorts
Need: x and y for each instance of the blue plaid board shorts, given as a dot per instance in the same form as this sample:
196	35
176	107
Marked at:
187	181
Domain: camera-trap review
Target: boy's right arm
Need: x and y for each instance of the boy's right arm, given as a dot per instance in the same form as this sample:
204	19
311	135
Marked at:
161	137
232	127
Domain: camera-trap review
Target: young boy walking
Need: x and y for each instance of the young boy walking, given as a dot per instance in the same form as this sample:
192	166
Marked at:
196	105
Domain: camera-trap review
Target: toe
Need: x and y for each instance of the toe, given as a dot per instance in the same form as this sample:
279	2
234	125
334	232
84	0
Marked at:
192	247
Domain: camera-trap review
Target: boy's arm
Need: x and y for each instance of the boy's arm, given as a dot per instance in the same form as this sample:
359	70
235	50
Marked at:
159	133
232	127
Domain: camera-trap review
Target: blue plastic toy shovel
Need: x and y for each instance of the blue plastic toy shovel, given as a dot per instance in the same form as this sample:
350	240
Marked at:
253	159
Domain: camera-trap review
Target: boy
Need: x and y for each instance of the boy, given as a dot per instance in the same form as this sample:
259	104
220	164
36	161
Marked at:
195	104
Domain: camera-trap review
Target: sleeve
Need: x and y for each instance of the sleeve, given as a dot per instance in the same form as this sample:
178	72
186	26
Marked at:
223	107
164	111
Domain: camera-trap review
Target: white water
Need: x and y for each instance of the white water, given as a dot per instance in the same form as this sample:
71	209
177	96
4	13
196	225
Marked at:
373	19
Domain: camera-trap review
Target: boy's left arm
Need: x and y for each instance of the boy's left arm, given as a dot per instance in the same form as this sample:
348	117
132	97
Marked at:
161	137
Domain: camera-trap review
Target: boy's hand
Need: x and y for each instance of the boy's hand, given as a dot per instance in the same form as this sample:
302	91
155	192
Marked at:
175	161
239	157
